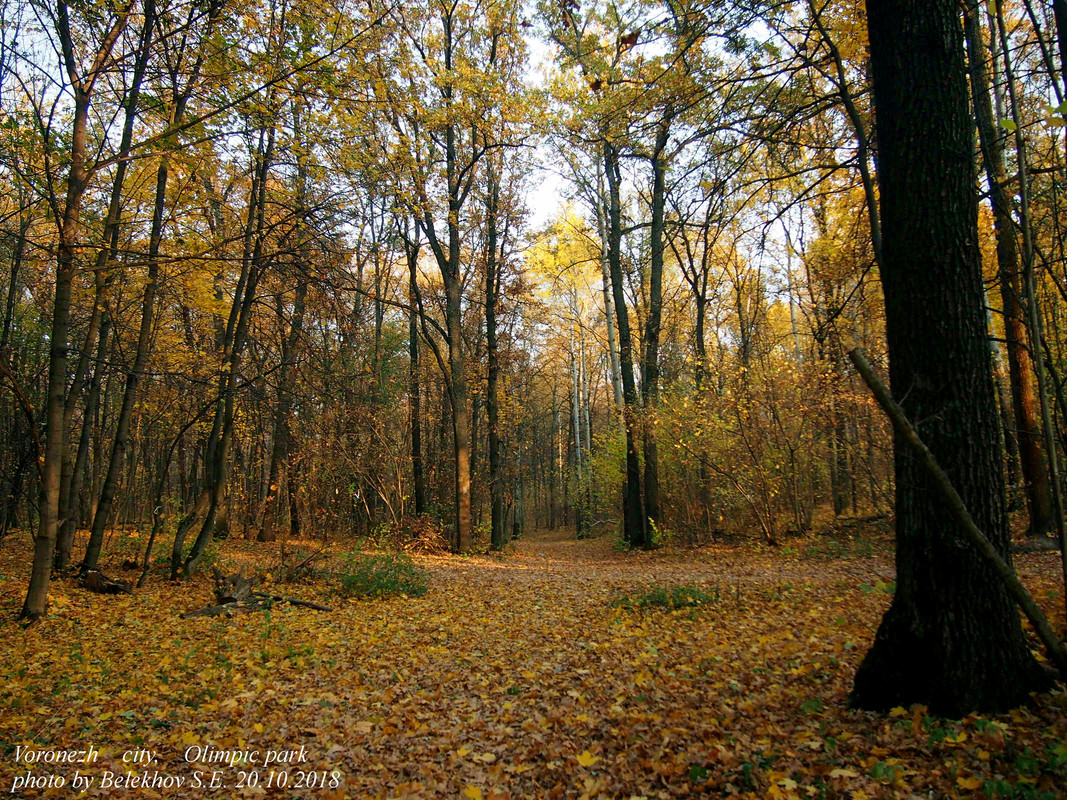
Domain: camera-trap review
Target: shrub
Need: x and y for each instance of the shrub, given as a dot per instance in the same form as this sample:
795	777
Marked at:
669	597
382	575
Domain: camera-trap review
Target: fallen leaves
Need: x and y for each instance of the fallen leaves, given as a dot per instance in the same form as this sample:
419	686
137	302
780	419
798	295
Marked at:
517	677
587	759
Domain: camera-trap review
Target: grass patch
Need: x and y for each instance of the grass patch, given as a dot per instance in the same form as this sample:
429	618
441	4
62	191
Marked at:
670	597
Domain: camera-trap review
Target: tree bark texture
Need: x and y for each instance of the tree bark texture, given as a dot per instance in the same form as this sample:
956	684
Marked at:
952	638
634	525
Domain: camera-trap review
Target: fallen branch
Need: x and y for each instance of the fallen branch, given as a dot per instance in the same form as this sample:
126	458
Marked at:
96	581
228	609
234	595
959	510
291	601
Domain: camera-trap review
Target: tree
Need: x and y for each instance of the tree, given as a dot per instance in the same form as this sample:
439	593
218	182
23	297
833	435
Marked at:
1023	390
951	639
67	212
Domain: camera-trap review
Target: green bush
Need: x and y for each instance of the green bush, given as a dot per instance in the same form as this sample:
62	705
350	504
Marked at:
382	575
669	597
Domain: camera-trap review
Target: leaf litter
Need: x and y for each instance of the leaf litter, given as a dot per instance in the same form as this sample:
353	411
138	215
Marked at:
519	676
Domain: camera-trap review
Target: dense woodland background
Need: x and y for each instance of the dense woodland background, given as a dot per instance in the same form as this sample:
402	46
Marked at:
274	269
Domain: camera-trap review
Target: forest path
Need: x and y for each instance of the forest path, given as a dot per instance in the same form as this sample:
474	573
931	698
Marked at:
540	672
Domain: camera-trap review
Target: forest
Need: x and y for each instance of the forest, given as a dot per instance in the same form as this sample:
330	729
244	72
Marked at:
487	398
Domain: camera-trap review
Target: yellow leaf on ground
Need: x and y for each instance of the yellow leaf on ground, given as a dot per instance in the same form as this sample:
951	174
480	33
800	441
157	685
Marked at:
587	759
472	792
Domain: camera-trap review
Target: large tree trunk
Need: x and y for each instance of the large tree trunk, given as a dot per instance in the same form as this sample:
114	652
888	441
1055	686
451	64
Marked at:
951	638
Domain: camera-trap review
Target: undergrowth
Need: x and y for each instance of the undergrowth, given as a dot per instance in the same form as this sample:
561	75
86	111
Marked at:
672	597
368	575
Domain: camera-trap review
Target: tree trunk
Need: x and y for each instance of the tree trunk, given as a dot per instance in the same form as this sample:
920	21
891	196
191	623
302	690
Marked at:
133	377
92	402
68	224
233	341
282	440
951	638
418	475
650	364
1020	368
634	523
493	269
605	268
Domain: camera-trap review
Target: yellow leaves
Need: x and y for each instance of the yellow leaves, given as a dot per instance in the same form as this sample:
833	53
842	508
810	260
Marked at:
587	759
426	681
843	772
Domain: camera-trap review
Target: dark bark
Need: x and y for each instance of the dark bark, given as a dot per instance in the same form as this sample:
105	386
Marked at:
418	474
634	523
92	403
73	473
902	425
133	377
1059	9
952	638
492	401
650	362
282	442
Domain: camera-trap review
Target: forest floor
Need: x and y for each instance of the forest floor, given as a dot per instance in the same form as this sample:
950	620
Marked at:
536	673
